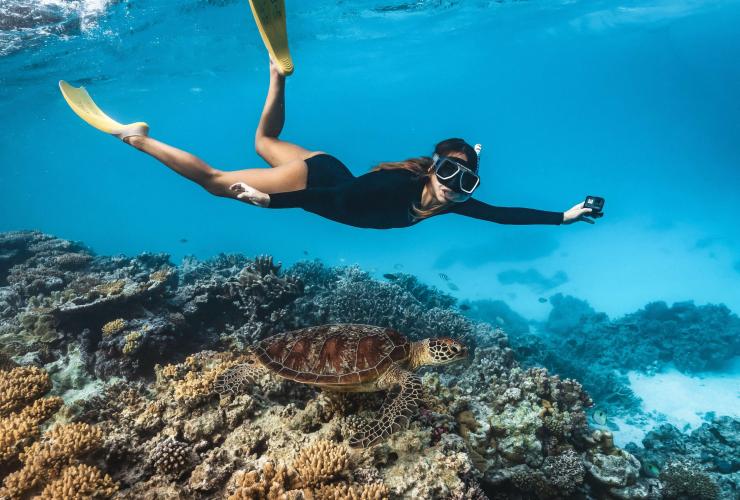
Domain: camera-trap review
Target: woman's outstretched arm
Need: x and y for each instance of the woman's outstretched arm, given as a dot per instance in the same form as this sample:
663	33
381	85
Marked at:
520	216
506	215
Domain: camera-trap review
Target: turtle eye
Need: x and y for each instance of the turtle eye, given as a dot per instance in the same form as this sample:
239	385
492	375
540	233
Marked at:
455	348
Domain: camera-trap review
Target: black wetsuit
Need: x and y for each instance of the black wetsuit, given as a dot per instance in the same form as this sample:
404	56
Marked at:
383	199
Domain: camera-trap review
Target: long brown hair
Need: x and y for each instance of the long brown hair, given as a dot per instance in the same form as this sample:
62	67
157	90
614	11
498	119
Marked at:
422	167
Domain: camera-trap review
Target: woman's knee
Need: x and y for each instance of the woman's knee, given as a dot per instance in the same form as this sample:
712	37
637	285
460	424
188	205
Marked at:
263	145
216	183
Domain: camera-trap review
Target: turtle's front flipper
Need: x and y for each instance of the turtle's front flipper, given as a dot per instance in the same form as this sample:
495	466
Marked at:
395	413
236	378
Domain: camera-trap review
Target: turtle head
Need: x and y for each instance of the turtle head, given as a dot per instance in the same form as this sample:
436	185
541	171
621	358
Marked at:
439	351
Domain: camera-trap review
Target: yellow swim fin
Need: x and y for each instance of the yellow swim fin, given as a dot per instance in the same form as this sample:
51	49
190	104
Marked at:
82	104
270	18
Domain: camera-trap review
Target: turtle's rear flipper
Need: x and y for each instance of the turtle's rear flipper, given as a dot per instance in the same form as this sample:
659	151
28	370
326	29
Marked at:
395	414
237	378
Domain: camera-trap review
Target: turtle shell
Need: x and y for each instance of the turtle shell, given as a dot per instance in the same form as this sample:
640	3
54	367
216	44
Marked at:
339	354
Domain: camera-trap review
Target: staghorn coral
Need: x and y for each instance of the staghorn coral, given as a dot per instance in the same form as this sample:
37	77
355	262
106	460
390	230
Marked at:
321	462
79	482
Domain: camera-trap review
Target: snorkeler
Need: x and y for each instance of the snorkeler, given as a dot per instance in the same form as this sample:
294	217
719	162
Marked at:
395	194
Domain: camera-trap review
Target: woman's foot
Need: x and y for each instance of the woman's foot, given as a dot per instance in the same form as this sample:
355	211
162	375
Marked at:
247	193
132	130
275	71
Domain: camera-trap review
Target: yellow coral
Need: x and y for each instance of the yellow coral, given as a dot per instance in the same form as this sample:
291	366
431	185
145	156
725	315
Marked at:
160	275
168	371
79	482
197	386
274	483
20	386
113	327
111	288
344	491
321	462
46	458
132	342
19	429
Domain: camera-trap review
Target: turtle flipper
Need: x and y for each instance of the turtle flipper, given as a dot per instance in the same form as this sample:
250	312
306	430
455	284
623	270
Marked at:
236	378
396	413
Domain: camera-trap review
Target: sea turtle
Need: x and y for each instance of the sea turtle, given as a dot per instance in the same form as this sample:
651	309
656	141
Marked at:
350	358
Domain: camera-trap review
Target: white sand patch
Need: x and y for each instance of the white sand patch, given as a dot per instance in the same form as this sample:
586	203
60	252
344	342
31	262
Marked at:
680	400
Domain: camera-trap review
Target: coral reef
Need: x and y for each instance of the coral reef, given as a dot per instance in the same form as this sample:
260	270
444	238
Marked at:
29	460
79	482
684	480
578	342
137	343
708	455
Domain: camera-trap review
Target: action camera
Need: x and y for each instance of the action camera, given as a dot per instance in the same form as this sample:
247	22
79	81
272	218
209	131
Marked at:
596	204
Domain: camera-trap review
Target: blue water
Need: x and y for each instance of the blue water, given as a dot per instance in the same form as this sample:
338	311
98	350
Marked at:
636	101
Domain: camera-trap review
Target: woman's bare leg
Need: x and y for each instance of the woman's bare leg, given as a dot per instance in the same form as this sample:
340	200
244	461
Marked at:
290	176
273	150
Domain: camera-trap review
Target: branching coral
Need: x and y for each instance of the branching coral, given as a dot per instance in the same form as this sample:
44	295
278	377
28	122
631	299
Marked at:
321	462
344	491
18	429
61	446
20	386
21	410
113	327
79	482
196	385
272	484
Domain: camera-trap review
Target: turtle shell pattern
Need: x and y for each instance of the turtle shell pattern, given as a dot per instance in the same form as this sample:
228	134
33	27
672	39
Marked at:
339	354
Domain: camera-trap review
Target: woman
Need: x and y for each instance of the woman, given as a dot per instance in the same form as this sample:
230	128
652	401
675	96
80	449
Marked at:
391	195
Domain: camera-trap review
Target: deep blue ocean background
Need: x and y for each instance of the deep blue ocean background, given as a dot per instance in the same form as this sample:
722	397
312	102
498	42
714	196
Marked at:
635	101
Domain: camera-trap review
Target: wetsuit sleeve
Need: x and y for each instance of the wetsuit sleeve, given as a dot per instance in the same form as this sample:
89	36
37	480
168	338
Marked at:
506	215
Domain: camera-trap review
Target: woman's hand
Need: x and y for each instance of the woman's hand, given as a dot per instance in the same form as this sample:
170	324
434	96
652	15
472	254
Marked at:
578	213
248	194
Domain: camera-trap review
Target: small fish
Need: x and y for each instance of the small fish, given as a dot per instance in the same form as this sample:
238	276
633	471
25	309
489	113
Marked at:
464	307
183	240
599	416
305	252
398	266
390	276
453	286
651	469
444	276
542	300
